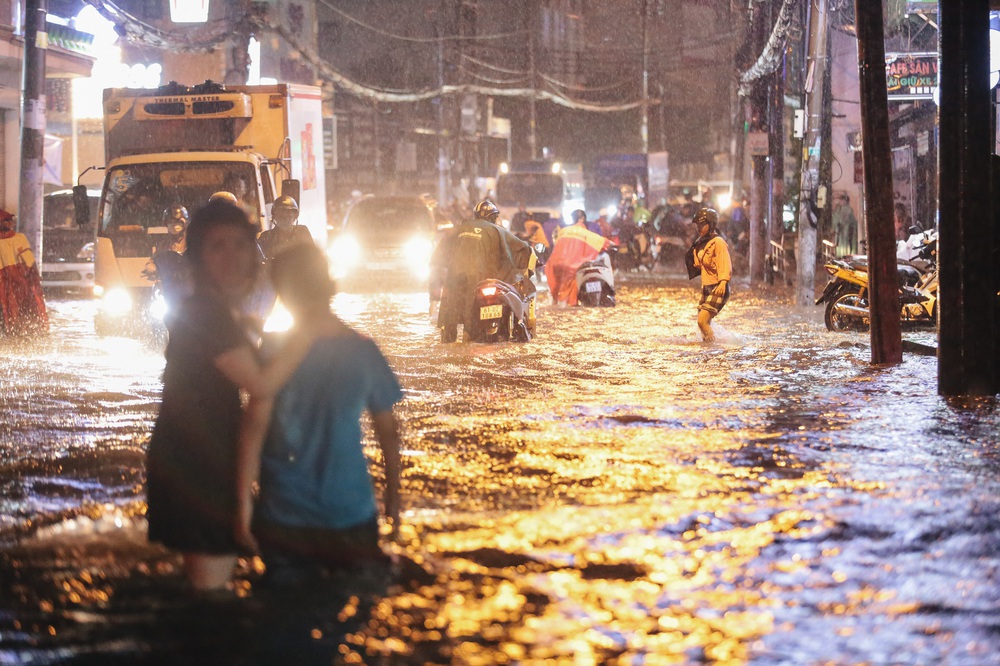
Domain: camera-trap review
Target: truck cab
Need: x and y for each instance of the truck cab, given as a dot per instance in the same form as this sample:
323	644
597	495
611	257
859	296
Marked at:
178	146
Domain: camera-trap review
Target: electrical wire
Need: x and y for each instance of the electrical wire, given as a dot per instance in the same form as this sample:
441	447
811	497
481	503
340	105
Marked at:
770	57
407	38
382	95
141	32
503	70
487	79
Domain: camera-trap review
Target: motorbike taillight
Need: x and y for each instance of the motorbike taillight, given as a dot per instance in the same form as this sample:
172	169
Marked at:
488	291
831	269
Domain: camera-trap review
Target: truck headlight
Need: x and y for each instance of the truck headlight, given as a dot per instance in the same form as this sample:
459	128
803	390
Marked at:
116	302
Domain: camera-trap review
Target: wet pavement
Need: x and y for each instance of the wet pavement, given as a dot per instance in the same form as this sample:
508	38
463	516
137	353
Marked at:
614	491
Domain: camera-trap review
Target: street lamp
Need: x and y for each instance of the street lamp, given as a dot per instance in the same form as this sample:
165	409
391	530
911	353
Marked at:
189	11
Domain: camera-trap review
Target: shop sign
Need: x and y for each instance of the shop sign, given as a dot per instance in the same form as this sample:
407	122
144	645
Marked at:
911	75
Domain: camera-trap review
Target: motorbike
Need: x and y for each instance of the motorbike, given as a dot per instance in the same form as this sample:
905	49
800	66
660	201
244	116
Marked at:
635	250
501	312
595	282
846	294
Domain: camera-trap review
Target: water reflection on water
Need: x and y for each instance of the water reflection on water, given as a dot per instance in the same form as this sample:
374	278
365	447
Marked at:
613	491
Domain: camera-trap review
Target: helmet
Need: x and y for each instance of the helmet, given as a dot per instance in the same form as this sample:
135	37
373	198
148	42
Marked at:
707	216
284	211
487	210
175	212
228	197
175	219
578	216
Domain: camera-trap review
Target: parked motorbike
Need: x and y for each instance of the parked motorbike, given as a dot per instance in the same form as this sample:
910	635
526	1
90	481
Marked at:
595	282
500	312
846	295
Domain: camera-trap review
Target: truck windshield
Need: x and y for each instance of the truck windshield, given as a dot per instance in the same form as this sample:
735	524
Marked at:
530	189
138	194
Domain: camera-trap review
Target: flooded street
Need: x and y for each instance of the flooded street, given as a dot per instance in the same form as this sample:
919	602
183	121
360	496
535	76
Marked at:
614	491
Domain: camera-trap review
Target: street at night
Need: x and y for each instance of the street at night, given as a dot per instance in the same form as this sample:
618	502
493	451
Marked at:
614	491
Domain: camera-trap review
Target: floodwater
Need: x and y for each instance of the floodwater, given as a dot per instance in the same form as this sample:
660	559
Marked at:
614	491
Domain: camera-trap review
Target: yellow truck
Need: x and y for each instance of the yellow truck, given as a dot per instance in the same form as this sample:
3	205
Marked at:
179	145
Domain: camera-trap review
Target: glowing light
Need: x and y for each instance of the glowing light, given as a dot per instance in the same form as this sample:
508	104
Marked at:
116	301
488	291
504	167
188	11
344	254
279	320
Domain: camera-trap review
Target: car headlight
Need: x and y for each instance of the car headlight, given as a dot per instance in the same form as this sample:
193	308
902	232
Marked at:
344	253
418	251
116	302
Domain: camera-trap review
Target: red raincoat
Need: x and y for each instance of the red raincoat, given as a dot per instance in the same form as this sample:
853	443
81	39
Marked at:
575	244
22	304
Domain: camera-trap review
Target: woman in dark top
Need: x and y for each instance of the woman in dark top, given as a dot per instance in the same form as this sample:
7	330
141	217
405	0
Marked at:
209	359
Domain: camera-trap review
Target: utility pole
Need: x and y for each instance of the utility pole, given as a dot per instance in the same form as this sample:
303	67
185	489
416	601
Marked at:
776	142
645	78
809	188
757	109
968	351
883	282
442	150
530	13
238	63
29	206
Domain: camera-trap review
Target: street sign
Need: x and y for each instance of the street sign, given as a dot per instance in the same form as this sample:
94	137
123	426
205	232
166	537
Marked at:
911	75
758	144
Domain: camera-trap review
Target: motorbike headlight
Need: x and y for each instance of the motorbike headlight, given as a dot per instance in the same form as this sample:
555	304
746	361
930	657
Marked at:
279	320
344	254
158	307
116	302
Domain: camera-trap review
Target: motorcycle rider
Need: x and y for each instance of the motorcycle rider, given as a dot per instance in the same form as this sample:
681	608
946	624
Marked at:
285	229
575	244
166	265
476	250
709	256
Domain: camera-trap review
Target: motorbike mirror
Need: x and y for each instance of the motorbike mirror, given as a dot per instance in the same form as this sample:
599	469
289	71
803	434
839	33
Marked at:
291	187
81	206
539	248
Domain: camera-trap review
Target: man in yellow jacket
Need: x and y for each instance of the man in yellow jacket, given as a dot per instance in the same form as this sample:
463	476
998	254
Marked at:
710	254
574	245
22	305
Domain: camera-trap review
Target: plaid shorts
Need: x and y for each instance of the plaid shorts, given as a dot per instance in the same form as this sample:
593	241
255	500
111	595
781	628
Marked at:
710	302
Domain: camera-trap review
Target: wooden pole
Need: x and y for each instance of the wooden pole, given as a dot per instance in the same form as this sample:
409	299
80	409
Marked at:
883	283
967	361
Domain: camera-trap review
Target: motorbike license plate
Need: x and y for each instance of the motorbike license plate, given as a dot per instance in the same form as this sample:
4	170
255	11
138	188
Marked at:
490	312
592	287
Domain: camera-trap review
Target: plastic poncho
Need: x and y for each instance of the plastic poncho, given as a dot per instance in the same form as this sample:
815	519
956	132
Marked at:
575	245
472	252
22	304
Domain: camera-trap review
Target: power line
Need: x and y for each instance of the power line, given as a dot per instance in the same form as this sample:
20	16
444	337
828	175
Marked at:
138	31
407	38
